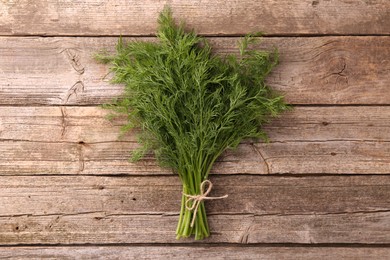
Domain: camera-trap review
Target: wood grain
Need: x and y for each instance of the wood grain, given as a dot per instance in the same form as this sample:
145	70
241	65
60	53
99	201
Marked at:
180	252
26	158
97	17
80	140
99	228
74	124
198	252
318	70
66	185
307	210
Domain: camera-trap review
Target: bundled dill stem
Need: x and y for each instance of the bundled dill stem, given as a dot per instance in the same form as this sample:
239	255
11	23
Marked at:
191	105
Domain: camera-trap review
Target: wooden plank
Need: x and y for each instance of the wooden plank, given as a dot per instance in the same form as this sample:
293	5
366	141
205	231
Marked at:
79	140
319	70
219	17
327	157
262	195
198	252
111	158
100	228
90	124
80	209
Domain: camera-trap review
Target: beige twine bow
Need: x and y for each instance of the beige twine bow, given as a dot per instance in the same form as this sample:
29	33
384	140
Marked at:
197	199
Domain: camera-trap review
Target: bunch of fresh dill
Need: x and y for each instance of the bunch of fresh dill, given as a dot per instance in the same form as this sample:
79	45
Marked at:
191	105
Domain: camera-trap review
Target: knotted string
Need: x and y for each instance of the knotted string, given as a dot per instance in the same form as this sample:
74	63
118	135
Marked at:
197	199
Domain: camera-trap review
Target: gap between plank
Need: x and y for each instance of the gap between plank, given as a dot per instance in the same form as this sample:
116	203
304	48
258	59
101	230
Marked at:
291	104
272	175
200	244
292	35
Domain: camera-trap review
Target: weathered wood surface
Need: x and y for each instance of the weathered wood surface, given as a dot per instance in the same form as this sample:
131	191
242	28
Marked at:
332	157
197	252
307	210
98	17
312	70
65	180
80	140
73	124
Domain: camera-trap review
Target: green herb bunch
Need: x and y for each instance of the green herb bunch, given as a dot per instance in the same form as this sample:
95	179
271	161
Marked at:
191	105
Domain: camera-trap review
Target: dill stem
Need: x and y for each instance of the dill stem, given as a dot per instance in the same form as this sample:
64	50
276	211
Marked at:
187	230
184	229
182	208
202	220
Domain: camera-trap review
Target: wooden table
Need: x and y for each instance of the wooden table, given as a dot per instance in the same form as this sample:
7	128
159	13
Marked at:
320	189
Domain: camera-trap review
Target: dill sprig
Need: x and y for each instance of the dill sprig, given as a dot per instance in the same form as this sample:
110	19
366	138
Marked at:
190	104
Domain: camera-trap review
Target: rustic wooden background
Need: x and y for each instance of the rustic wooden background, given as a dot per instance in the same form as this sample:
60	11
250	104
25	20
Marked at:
319	190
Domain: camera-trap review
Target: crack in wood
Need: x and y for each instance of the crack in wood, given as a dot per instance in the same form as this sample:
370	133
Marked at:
63	121
75	90
340	73
342	69
172	214
74	59
284	214
244	238
61	141
329	141
81	157
104	78
53	222
257	150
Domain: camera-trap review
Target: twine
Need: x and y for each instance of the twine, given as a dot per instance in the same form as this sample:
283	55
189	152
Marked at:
197	199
